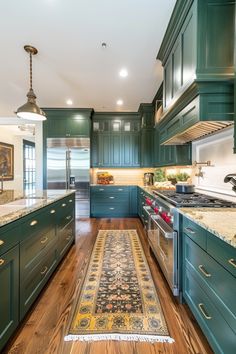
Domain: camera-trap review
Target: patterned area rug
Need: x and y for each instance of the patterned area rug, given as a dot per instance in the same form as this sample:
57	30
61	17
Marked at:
118	300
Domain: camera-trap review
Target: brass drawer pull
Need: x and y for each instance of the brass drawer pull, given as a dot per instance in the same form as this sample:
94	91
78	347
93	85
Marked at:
143	203
146	222
203	270
2	261
1	242
52	211
44	270
68	217
203	311
44	240
111	208
70	201
33	223
68	238
63	205
101	189
111	197
187	229
120	189
232	262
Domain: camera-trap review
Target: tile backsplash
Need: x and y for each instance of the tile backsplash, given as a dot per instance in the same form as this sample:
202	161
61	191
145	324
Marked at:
129	176
218	149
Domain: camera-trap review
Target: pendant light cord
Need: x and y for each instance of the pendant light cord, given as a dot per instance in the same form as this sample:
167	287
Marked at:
30	71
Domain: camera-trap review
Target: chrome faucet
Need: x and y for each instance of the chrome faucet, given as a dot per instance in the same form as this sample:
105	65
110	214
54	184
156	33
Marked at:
231	178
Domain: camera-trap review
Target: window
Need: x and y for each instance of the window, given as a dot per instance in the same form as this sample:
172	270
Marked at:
29	165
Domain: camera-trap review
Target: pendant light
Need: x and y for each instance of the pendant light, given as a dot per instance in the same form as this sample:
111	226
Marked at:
30	110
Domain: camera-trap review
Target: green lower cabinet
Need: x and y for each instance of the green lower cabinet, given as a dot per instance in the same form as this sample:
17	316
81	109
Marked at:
66	235
209	285
9	299
113	201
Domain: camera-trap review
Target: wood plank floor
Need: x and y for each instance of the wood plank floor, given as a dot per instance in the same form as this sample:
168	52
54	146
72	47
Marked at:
45	326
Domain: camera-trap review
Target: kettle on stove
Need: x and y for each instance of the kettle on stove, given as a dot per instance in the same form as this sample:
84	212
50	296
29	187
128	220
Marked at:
148	179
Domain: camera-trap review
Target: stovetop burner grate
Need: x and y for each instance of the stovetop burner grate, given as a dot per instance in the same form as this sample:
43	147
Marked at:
194	200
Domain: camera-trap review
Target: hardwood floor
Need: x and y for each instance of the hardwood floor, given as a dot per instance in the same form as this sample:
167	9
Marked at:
44	328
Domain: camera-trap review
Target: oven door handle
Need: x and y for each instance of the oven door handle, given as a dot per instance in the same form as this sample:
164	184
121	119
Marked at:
160	224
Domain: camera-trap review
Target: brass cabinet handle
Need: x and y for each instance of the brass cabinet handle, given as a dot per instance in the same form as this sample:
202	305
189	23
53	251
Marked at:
120	189
70	201
1	242
189	230
68	217
203	311
33	223
44	270
232	262
63	205
44	240
101	189
68	238
203	270
2	261
143	203
52	211
111	208
111	197
146	222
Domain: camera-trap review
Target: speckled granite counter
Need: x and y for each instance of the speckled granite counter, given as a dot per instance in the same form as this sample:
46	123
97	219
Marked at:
15	204
220	222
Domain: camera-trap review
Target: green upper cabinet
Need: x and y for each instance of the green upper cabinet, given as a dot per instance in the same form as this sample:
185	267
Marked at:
192	46
67	122
146	111
115	140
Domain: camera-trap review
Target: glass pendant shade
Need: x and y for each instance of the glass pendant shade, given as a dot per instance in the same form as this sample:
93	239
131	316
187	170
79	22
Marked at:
30	110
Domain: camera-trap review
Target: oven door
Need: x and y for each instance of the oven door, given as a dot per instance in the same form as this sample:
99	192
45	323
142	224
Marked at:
163	241
147	213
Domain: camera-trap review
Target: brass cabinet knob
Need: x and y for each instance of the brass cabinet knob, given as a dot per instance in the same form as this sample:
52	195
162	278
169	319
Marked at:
2	261
33	223
1	242
63	205
52	211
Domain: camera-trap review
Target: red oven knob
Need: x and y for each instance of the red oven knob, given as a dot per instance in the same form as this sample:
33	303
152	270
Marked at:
168	219
148	201
156	210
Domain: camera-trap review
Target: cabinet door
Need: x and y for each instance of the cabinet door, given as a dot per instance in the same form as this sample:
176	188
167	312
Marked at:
168	83
77	127
183	154
104	149
133	201
147	149
115	150
130	150
56	128
94	151
135	150
9	299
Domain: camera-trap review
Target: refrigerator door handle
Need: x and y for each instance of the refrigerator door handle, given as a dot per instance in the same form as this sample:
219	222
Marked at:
67	169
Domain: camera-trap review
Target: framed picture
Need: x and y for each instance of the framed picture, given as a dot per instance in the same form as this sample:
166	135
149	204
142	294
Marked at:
7	161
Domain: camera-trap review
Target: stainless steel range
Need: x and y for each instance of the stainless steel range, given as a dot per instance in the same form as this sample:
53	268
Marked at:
163	228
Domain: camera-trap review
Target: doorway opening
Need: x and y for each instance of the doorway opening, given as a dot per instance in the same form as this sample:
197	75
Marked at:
29	172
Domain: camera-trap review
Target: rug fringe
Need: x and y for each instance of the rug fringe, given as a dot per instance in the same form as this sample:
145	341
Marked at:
121	337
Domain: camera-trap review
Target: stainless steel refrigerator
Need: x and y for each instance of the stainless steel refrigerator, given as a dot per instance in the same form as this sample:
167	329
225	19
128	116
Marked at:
68	167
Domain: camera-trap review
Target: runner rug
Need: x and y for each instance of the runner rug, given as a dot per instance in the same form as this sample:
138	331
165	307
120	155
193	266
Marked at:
118	299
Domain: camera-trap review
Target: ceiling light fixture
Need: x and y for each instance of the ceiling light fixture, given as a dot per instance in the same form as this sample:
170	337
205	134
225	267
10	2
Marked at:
119	102
69	102
30	110
123	72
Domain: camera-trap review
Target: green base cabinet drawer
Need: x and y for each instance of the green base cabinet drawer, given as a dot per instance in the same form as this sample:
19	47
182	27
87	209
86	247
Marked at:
66	237
217	282
218	332
32	282
223	253
195	232
9	298
9	237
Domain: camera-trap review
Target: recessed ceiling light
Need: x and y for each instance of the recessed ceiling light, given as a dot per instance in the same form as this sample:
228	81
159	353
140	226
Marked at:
69	102
123	72
119	102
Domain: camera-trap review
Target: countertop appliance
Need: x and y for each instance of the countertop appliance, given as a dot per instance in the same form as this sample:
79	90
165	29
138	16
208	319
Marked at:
148	179
163	228
68	166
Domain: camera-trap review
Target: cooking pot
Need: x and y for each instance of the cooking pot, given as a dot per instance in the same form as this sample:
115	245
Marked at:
184	188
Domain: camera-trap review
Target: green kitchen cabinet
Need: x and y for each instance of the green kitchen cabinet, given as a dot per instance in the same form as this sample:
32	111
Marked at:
9	299
113	201
30	249
170	155
115	140
67	122
209	284
147	147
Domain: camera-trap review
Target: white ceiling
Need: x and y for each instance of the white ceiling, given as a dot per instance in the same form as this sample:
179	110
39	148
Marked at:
71	62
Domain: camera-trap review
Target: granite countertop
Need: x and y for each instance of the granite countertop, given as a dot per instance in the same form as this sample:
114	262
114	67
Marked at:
15	204
219	221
